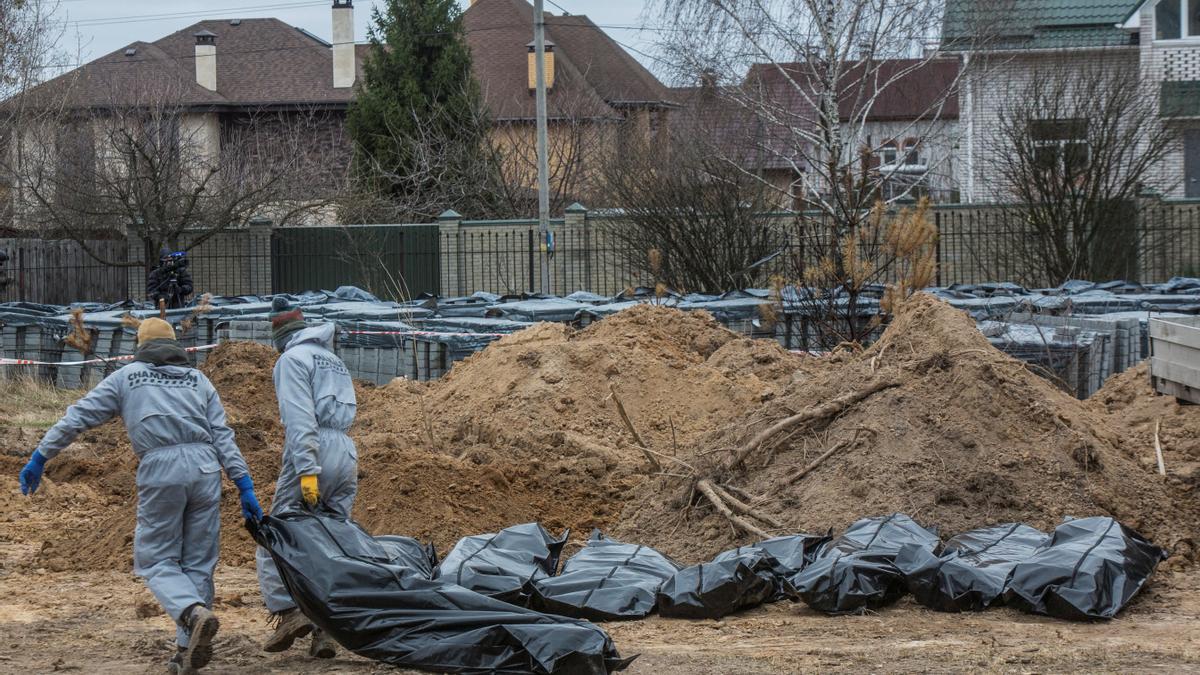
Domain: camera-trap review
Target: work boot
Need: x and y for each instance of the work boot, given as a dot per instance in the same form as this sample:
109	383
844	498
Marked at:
323	646
290	625
202	626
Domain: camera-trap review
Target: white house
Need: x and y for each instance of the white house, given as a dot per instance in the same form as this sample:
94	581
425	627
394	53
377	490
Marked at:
1004	44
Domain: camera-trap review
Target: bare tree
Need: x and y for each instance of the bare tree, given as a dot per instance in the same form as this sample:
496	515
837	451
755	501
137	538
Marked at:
1075	147
818	69
167	172
690	219
30	35
579	148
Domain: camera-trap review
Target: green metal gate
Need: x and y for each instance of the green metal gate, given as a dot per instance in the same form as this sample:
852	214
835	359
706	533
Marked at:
391	261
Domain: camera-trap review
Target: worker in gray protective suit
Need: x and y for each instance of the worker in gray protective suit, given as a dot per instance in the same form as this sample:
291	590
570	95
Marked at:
320	463
176	424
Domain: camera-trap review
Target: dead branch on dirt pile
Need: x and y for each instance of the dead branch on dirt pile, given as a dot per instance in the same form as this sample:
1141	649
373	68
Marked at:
707	489
812	466
823	412
637	438
1158	455
742	508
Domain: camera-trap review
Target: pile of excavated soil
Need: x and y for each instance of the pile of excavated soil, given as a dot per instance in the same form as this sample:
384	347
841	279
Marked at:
527	430
524	430
550	386
1136	410
968	437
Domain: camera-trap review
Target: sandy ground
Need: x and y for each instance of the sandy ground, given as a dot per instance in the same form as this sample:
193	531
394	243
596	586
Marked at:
54	621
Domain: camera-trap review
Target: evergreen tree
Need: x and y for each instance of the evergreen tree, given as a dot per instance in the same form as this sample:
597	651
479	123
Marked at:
416	121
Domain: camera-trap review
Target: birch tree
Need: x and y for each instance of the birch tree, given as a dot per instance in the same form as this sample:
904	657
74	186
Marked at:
817	70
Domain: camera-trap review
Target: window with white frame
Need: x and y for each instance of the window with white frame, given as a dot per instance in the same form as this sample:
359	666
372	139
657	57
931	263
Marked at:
1060	145
888	153
1177	19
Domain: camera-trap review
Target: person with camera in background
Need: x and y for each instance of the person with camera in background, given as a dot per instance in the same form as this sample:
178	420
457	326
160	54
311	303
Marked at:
170	281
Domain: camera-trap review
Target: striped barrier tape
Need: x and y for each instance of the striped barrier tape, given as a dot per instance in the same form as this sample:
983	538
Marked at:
126	357
421	333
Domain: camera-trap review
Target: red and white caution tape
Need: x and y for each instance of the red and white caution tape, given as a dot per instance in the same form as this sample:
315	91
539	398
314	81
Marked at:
421	333
126	357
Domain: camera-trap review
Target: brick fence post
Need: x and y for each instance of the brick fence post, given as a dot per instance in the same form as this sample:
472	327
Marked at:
135	276
578	240
261	277
450	252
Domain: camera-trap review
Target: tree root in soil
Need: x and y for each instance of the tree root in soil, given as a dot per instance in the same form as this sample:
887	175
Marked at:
819	413
637	438
803	471
740	513
717	497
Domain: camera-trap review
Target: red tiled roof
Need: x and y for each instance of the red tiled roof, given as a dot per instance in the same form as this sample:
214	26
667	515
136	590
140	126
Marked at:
716	117
906	89
268	62
593	75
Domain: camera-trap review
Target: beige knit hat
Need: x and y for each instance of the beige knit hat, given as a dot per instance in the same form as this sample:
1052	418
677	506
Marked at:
154	329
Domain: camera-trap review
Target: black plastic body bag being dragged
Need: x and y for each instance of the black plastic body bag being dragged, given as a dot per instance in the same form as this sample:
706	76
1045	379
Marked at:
354	588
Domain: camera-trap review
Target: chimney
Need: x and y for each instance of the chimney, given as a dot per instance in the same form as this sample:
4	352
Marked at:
206	59
549	65
344	68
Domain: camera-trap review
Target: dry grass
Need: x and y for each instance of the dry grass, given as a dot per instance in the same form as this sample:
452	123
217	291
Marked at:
32	403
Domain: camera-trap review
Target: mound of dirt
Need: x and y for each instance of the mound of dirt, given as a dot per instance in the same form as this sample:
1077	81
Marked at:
1137	410
527	428
550	386
524	430
966	437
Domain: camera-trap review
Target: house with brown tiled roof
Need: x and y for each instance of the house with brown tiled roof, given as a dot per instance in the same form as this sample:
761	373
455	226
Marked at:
239	81
222	75
599	98
910	123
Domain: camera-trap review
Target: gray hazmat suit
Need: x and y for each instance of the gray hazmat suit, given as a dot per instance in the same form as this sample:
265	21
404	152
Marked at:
176	424
317	406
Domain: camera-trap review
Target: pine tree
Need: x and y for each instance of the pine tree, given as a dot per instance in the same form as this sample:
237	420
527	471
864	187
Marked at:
417	98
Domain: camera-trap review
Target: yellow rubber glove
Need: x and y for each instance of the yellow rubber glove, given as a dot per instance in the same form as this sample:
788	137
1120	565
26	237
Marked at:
308	490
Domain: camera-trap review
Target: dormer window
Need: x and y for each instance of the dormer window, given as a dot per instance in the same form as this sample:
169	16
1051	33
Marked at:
548	65
1177	19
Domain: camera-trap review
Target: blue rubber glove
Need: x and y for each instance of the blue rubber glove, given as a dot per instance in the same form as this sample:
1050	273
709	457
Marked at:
31	475
250	508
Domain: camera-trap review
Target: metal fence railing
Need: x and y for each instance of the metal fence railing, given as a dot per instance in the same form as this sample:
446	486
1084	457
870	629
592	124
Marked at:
976	244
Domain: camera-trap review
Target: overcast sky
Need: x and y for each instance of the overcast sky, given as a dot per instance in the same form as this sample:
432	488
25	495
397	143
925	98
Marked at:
97	27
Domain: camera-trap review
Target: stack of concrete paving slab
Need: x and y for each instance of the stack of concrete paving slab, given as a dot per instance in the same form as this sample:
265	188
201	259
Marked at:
1079	332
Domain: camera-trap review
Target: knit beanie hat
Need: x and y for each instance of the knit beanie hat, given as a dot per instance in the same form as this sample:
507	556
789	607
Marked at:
154	329
286	318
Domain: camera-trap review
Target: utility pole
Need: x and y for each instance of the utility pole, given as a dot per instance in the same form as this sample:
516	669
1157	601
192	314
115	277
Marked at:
539	56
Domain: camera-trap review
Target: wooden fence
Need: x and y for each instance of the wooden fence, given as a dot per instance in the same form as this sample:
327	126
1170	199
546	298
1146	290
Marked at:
61	271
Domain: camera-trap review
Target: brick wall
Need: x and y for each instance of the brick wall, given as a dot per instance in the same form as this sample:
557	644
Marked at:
989	86
1169	62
